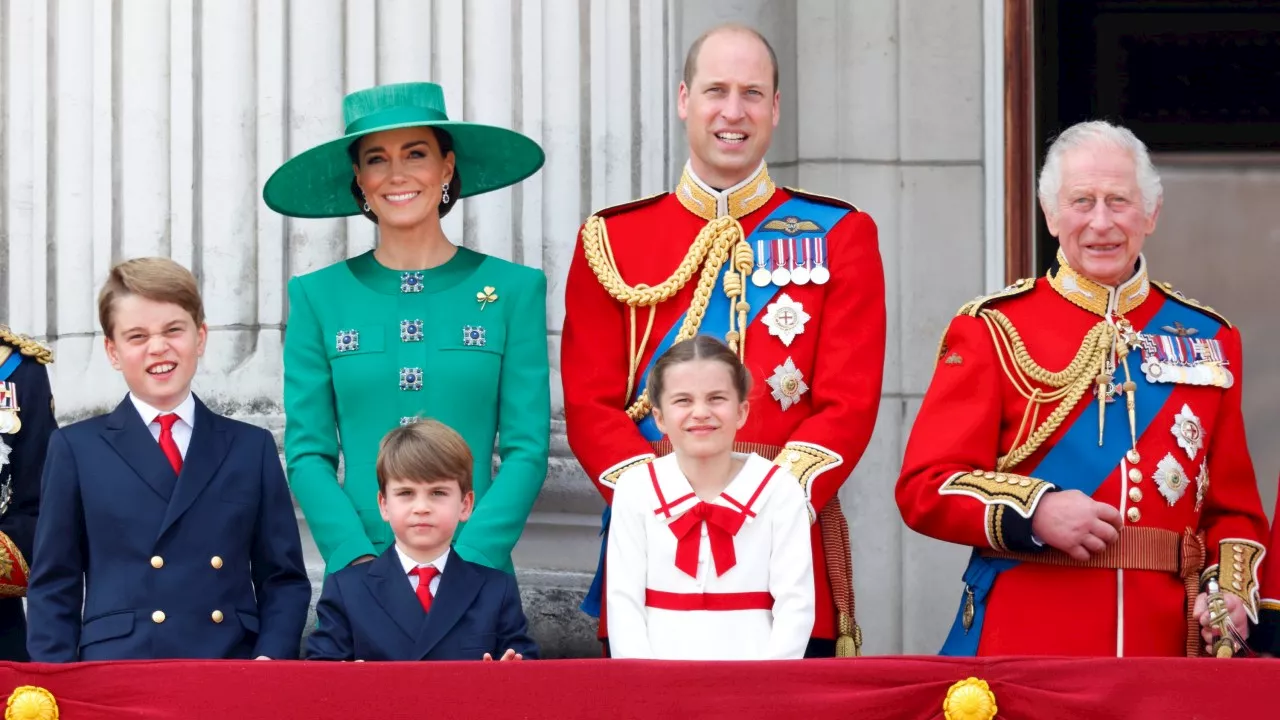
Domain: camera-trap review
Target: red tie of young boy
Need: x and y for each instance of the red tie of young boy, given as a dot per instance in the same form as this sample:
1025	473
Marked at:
425	573
167	444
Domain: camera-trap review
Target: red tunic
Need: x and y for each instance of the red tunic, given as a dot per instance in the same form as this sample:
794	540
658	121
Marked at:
972	413
839	353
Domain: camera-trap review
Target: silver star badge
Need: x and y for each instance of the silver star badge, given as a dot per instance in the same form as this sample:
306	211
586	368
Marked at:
785	319
1188	431
1171	479
788	384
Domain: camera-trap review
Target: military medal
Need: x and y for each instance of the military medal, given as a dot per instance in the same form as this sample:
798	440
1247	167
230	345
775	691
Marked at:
820	274
1171	479
1188	431
10	424
1202	485
781	276
788	384
800	275
785	319
761	277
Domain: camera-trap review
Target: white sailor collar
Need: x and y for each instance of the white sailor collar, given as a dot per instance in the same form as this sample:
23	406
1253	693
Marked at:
746	493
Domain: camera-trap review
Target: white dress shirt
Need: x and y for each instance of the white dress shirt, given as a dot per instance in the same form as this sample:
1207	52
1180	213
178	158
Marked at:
182	429
409	564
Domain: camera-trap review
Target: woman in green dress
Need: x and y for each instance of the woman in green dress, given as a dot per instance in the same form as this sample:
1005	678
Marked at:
418	327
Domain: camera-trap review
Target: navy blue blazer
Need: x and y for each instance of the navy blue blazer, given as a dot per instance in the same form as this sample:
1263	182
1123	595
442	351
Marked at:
371	612
205	564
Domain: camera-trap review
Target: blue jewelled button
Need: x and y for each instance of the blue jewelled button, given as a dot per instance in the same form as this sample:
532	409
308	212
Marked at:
411	282
410	378
410	330
473	336
347	340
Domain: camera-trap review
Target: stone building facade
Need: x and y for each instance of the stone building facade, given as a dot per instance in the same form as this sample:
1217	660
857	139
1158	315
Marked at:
148	127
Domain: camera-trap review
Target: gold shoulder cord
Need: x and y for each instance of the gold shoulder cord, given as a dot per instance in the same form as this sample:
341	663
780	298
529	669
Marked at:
1069	384
716	243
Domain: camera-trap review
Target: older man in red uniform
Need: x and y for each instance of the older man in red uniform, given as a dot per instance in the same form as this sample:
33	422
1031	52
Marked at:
1083	433
793	282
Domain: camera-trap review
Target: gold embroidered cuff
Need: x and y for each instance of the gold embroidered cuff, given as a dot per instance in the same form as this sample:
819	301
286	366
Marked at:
806	462
13	569
1019	492
610	477
1238	562
995	526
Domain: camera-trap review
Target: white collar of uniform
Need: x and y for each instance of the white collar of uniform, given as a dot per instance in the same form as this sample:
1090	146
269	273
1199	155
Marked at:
409	563
741	493
186	410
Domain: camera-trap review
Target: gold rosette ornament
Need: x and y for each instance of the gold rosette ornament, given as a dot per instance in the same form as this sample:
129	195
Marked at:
31	703
970	699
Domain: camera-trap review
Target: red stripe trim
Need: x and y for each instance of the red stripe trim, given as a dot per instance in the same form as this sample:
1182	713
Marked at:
708	601
663	507
746	509
667	508
759	489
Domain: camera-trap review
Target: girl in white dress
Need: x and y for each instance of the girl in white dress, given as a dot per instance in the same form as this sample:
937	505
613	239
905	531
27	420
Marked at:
709	555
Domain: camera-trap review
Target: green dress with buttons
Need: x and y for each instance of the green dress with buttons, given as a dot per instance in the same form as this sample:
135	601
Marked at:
368	348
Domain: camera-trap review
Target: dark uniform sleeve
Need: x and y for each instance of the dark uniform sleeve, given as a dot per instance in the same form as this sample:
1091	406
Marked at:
26	465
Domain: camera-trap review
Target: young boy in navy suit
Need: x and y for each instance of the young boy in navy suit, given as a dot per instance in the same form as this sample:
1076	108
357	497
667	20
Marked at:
419	600
166	530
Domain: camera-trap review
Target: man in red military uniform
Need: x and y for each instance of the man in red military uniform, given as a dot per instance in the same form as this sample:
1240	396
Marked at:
1083	433
792	281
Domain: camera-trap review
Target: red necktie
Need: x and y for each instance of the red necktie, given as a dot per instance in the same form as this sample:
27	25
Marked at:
167	444
425	573
722	524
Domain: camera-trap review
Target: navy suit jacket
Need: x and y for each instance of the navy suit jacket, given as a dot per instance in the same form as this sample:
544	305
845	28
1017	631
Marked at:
205	564
371	612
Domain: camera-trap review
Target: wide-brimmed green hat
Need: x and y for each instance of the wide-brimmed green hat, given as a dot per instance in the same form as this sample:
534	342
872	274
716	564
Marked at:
317	183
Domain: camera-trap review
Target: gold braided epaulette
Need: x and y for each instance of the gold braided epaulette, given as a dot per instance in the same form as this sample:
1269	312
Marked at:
1167	289
35	349
1018	287
824	199
633	204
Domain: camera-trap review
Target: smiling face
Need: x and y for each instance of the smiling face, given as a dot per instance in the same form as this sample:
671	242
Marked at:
1098	217
700	410
402	173
424	515
156	346
729	108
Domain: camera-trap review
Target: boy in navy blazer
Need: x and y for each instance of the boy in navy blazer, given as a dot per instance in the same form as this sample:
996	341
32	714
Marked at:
419	600
166	530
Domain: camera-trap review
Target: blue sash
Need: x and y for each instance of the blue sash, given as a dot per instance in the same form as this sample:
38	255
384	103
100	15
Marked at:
1076	462
8	366
715	322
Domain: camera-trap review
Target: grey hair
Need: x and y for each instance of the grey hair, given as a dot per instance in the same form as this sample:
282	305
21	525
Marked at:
1103	133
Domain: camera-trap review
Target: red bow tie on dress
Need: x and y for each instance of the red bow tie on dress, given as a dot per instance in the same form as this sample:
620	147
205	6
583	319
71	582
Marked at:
722	524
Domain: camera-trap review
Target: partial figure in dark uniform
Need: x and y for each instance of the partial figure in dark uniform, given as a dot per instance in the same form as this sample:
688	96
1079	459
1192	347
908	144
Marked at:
26	422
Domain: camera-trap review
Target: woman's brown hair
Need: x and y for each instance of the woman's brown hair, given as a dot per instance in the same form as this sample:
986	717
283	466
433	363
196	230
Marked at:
699	347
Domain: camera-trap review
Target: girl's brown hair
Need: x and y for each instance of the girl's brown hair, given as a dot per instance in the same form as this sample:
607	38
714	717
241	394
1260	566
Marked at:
699	347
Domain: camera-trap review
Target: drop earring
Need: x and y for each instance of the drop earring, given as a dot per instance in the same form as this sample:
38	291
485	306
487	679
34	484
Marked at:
444	195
